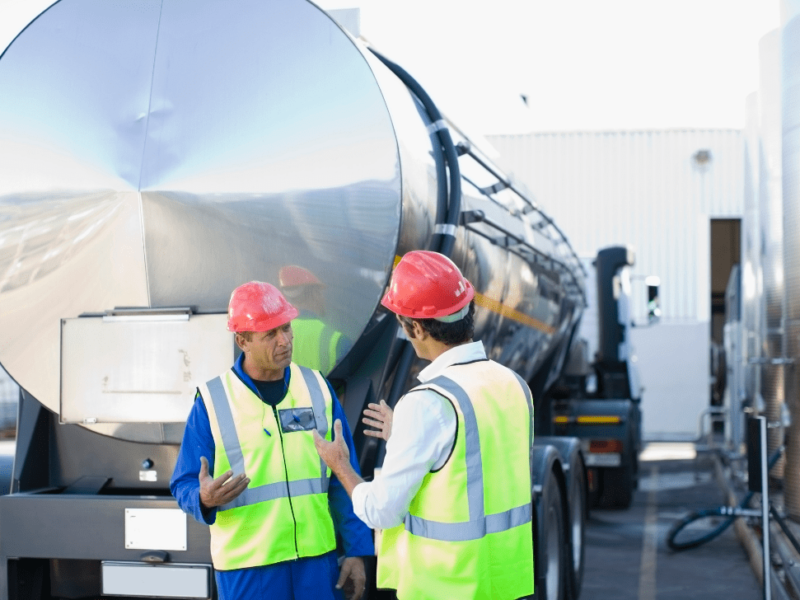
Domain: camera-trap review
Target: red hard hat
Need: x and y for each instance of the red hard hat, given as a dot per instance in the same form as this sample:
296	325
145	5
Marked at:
427	285
292	275
258	306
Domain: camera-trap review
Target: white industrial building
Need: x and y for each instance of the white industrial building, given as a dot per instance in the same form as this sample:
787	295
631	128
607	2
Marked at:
671	195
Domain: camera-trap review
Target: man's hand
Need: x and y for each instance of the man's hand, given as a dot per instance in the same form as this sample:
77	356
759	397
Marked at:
380	417
336	454
223	489
352	577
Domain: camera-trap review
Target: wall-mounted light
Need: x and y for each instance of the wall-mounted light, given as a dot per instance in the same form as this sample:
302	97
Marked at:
702	158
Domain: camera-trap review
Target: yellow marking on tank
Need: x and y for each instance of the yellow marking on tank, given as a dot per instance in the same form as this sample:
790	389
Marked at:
505	311
509	313
597	419
561	419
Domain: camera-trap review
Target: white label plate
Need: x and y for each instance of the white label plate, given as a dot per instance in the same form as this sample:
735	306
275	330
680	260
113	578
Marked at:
156	581
148	475
155	529
603	460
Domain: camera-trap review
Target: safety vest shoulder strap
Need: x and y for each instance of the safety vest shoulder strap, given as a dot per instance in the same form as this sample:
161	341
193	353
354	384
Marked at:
479	524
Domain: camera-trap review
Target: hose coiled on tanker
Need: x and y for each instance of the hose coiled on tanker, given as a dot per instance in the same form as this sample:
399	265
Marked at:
448	204
453	199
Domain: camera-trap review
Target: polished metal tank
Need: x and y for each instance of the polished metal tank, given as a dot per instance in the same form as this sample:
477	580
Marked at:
771	212
790	84
160	153
751	278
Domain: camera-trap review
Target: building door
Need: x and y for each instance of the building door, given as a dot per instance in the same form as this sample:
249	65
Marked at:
725	253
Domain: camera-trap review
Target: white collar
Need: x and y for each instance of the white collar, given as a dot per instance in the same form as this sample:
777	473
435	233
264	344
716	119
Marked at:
460	354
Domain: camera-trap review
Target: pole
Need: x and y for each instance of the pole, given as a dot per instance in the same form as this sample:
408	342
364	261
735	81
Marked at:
762	426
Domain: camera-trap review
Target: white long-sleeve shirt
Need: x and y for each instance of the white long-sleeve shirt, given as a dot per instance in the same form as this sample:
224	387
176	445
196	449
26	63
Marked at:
423	434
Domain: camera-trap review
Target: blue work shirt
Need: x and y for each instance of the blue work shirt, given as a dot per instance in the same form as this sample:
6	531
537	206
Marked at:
311	578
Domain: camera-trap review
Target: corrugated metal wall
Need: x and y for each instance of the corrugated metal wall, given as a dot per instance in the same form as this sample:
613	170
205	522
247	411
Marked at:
642	188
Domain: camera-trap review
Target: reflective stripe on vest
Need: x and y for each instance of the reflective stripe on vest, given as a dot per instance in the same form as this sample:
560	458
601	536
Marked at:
479	524
233	448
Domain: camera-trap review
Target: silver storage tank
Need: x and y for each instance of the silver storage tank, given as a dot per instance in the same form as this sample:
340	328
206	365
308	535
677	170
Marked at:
751	255
771	203
160	153
790	46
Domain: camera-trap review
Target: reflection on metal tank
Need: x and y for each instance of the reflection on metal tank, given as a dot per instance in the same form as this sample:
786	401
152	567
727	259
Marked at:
751	258
770	200
790	42
193	147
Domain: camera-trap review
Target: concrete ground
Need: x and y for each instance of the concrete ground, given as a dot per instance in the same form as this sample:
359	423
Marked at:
627	557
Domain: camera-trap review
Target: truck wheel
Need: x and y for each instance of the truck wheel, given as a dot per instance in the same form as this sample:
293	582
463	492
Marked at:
618	485
549	545
577	529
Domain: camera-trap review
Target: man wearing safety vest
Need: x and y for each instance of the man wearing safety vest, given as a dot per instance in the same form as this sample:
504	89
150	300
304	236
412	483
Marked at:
248	468
454	494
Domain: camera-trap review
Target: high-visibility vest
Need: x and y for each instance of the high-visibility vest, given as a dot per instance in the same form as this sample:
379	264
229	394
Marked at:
283	514
468	534
315	344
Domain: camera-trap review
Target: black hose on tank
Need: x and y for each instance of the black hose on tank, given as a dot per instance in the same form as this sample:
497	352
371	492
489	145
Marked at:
448	205
453	202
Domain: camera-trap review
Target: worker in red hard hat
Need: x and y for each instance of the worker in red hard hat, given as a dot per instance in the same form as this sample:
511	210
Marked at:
248	468
454	493
320	345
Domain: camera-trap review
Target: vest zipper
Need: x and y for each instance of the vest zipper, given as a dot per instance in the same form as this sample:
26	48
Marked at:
286	471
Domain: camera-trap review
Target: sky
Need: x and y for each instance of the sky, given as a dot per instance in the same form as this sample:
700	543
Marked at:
582	64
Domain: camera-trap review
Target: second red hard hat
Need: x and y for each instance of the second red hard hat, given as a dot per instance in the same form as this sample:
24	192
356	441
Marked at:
258	306
292	275
427	285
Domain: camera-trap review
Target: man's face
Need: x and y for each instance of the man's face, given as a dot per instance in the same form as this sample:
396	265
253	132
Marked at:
269	350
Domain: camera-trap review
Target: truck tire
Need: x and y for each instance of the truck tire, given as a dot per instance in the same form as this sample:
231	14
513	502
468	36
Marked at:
576	529
550	544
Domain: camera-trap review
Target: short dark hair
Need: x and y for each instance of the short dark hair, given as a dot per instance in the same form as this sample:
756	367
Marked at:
451	334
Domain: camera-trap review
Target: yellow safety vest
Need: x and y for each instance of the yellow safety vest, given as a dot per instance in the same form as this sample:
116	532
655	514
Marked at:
315	344
468	534
283	514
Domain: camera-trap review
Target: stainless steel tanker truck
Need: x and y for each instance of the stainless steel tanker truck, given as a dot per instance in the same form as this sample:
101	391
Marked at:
155	154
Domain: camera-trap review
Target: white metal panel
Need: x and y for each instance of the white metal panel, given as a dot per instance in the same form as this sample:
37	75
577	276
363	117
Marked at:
155	528
673	361
140	370
156	581
638	188
646	189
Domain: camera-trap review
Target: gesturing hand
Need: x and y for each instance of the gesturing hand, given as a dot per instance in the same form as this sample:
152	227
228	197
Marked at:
335	454
380	417
223	489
